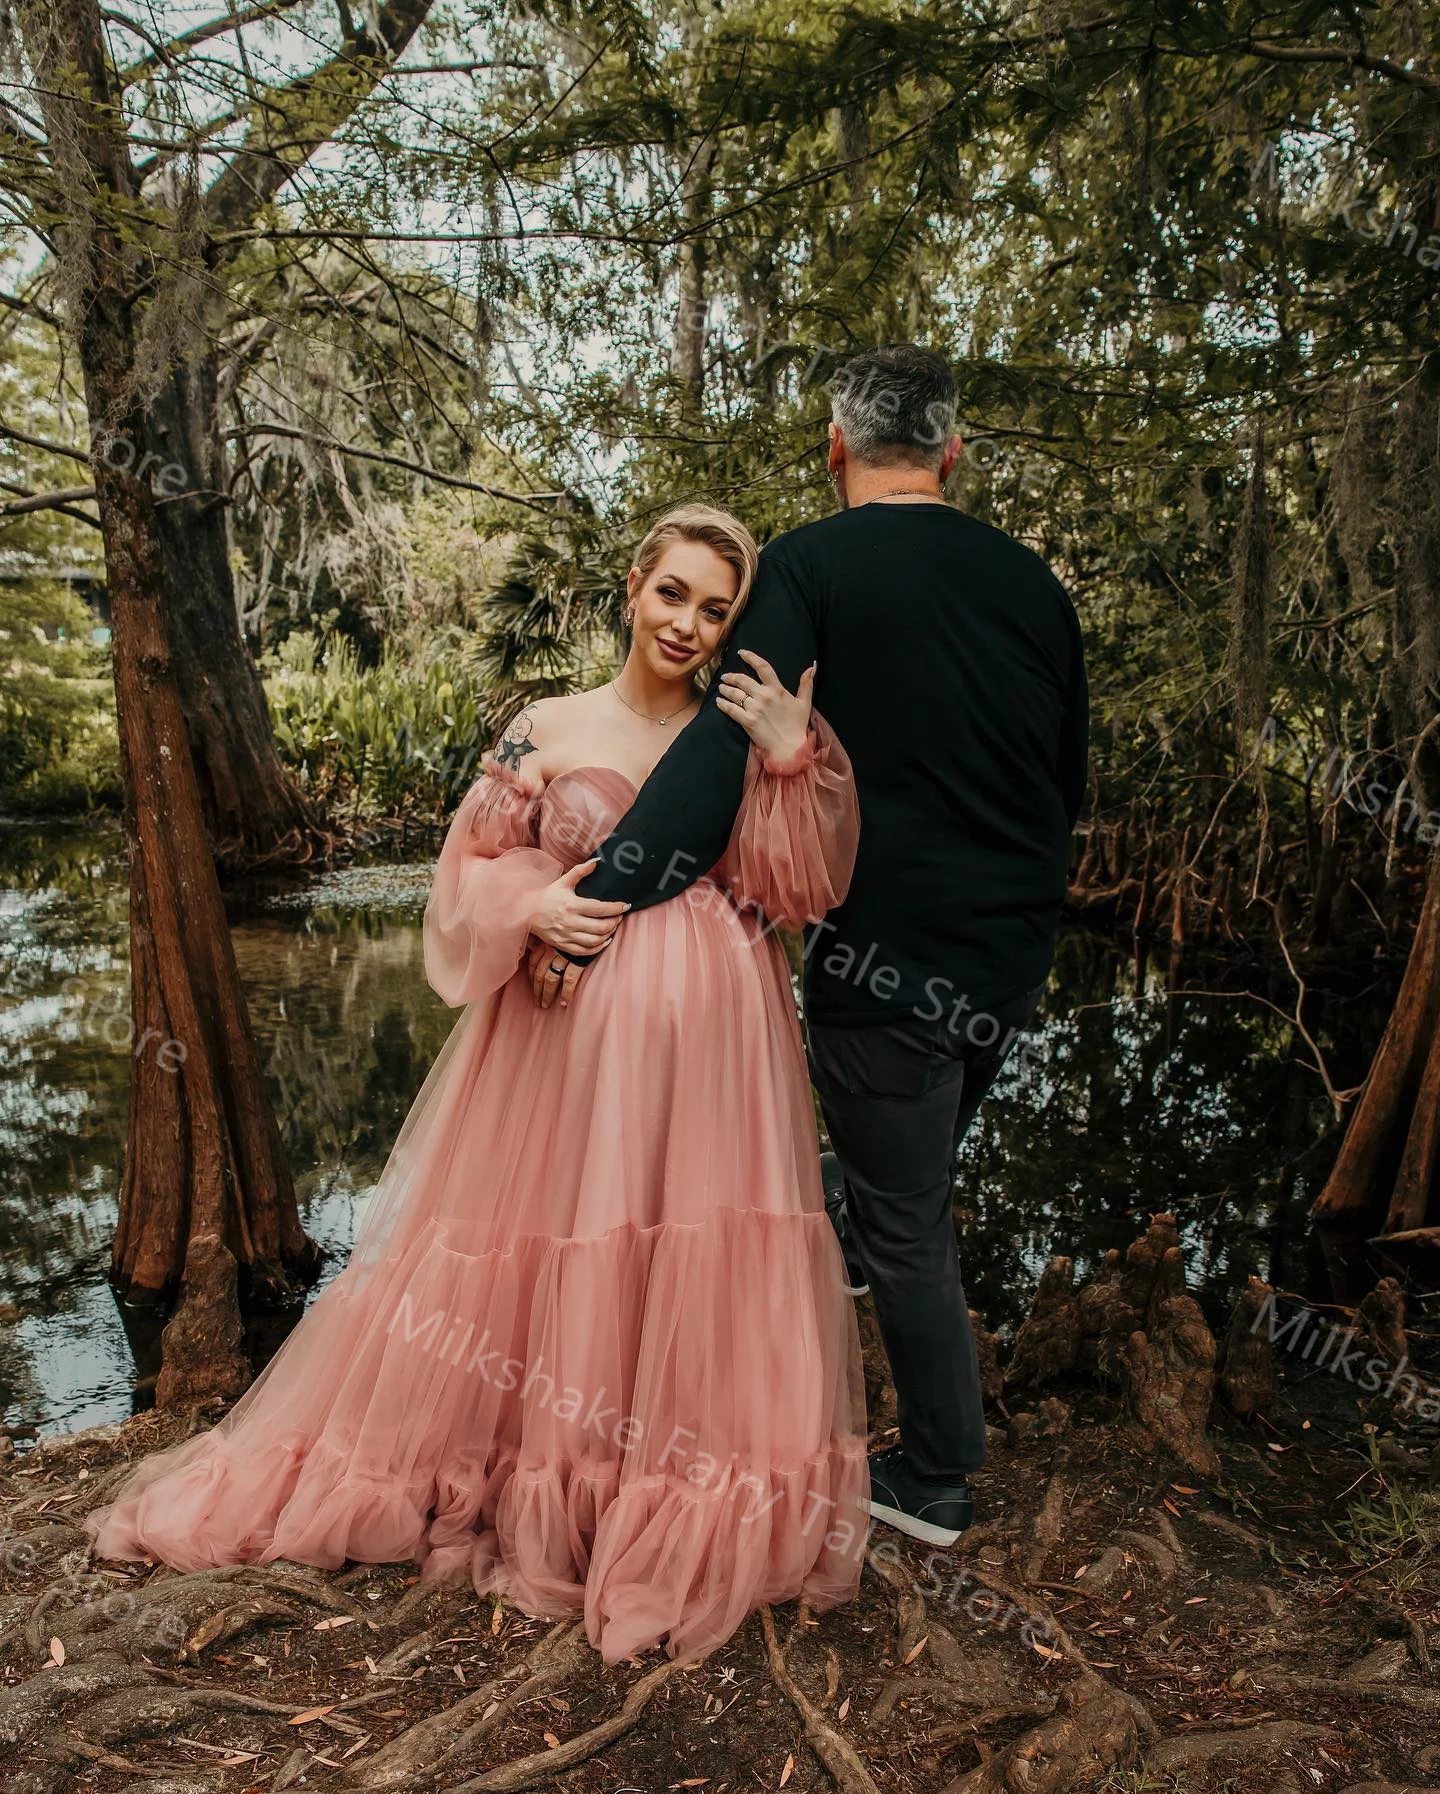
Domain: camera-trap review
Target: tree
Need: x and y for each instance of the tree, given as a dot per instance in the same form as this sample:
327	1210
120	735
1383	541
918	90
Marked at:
206	1196
253	808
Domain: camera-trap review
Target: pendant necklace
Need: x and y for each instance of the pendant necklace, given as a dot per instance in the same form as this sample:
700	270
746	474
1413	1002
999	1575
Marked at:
662	721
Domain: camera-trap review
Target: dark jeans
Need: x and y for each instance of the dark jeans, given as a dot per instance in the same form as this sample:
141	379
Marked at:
897	1100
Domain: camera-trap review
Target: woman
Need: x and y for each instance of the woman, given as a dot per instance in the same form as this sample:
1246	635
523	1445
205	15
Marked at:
591	1348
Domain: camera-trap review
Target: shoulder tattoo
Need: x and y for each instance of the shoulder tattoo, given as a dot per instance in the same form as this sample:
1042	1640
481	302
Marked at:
515	743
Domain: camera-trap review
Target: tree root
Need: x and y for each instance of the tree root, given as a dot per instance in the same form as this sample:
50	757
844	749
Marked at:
231	1621
952	1694
27	1706
1047	1525
543	1765
1418	1700
1093	1730
142	1713
1188	1749
433	1740
830	1744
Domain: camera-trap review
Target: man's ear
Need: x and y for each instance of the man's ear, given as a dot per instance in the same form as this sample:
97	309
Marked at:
950	457
836	458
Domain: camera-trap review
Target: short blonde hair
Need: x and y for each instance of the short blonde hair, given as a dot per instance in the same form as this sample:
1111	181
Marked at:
714	528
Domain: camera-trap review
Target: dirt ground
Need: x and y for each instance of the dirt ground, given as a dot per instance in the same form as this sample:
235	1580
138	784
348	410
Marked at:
1114	1621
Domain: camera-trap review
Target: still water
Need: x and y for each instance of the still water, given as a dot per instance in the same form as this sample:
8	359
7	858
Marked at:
1140	1092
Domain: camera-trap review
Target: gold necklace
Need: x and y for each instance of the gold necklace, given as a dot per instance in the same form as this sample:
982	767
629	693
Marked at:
908	492
661	720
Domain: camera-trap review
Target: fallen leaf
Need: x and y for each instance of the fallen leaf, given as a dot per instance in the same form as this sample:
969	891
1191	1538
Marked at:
551	1740
844	1708
787	1771
1197	1600
1274	1447
1042	1650
1182	1489
57	1652
335	1621
312	1713
915	1650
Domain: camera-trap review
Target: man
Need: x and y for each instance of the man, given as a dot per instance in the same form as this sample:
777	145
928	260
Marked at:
950	666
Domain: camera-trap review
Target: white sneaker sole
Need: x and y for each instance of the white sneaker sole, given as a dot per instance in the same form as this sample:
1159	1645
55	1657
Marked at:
907	1523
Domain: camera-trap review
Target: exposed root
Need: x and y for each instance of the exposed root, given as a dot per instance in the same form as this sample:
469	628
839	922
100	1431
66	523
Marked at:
1224	1523
543	1765
1418	1700
28	1706
231	1621
1188	1749
433	1740
828	1742
147	1712
1092	1731
1047	1526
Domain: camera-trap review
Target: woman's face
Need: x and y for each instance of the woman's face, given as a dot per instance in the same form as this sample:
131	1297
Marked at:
681	609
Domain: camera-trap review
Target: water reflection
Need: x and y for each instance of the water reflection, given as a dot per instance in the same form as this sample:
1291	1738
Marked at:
1133	1098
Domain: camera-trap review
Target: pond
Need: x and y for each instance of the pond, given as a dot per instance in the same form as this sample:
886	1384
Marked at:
1141	1092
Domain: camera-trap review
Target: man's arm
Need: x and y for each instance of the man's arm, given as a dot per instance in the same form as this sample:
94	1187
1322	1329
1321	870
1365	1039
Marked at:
680	822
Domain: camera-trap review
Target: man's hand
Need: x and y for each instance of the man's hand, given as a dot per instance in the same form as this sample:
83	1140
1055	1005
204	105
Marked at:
575	924
551	974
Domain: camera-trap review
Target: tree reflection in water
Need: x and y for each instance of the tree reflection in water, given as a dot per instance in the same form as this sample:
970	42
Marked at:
1130	1098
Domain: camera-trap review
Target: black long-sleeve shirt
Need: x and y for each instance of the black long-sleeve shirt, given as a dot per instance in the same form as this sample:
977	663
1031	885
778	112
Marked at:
950	666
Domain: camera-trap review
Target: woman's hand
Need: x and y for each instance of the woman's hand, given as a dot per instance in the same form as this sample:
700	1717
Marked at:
774	720
573	923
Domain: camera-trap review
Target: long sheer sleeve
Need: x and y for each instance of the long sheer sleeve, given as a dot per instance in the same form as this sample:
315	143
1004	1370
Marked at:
488	879
792	849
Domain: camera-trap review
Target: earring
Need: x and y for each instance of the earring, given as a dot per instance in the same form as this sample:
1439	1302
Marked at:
629	615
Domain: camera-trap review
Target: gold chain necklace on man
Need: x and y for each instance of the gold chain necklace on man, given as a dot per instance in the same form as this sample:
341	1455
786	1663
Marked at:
661	720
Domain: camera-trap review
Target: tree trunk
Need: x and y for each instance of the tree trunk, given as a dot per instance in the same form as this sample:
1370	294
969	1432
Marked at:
253	808
205	1192
1387	1159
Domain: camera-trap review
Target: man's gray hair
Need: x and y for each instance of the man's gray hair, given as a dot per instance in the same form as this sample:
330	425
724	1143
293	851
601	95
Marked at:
895	406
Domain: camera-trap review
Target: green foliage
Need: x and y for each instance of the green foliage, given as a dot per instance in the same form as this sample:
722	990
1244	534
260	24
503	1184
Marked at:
1403	1520
401	738
57	708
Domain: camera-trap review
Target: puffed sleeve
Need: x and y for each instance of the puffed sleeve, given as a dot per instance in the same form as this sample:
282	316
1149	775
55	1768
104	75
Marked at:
488	879
792	849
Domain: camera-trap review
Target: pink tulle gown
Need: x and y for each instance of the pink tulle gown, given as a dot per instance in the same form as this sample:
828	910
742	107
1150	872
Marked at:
592	1348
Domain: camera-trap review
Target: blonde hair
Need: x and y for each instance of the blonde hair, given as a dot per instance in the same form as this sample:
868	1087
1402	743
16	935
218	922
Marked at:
714	528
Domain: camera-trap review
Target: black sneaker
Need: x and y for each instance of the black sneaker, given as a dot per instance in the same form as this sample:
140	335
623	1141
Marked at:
935	1511
832	1180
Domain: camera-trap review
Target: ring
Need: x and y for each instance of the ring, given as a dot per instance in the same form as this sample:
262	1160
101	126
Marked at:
557	965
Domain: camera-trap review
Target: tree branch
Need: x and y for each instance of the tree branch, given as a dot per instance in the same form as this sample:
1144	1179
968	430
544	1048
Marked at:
197	34
333	92
59	500
40	442
536	501
1357	59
